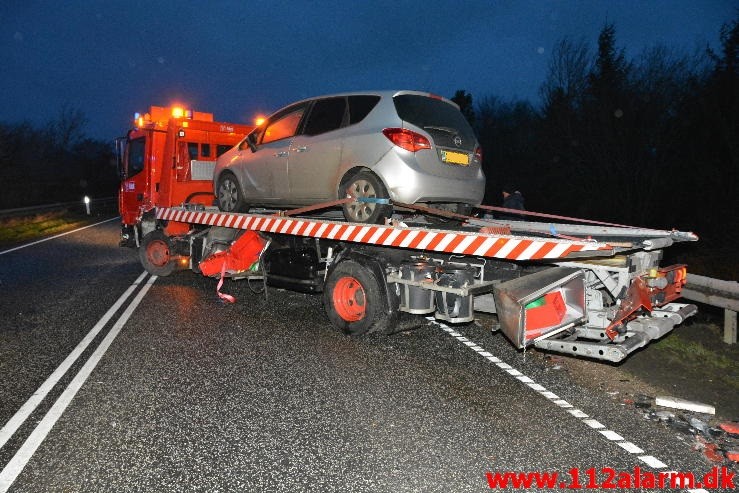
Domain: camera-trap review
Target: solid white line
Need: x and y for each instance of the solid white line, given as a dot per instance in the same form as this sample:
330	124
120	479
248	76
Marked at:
56	236
32	403
29	447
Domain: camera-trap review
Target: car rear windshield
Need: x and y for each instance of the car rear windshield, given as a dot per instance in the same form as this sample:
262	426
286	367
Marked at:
440	119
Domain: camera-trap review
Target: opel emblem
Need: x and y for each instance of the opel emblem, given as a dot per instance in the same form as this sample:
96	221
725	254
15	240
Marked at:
457	140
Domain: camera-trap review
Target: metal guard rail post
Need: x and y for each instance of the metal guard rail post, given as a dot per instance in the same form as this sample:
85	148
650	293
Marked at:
715	292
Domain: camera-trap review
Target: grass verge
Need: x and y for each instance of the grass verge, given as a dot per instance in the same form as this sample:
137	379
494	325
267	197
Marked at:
21	229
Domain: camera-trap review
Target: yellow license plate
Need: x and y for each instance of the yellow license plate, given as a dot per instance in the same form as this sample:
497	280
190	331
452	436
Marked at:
455	158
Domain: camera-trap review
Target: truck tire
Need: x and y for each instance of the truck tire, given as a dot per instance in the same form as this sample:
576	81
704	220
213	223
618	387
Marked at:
366	184
354	299
155	254
229	196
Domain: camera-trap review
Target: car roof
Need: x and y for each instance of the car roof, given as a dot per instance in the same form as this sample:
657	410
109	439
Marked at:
385	93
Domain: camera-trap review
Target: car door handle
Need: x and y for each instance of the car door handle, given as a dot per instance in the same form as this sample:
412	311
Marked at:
301	149
281	154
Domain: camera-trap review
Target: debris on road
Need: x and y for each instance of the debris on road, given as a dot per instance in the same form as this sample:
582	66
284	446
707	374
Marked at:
710	450
730	427
684	404
717	441
643	401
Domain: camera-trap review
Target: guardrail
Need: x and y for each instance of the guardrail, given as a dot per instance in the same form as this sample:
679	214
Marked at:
715	292
34	209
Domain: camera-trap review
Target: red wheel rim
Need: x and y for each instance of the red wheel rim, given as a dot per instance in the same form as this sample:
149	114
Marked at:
158	253
349	299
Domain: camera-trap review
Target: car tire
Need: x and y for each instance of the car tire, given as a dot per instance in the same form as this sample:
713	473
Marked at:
354	299
367	185
229	196
155	254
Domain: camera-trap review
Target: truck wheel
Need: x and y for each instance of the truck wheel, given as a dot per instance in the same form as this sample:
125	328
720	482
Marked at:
365	184
229	195
155	254
354	299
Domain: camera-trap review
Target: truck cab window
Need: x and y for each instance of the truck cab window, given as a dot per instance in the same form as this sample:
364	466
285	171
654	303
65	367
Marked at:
192	150
135	158
205	150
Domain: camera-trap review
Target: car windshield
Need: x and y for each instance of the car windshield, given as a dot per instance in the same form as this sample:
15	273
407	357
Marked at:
440	119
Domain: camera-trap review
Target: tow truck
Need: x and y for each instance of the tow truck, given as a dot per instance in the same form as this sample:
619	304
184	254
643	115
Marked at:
582	287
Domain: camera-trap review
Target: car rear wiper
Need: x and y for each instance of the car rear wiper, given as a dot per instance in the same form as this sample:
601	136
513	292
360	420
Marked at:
448	130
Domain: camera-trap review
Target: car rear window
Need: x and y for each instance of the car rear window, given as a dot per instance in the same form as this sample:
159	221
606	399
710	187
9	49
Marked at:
360	106
440	119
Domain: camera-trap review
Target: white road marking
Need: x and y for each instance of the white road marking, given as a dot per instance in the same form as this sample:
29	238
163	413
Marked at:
32	403
594	424
652	462
19	461
56	236
630	447
612	436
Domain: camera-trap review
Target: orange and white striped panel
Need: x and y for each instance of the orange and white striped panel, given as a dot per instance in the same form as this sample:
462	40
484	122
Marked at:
455	242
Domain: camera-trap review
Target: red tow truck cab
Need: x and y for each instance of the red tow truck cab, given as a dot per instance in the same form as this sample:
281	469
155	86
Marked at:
167	160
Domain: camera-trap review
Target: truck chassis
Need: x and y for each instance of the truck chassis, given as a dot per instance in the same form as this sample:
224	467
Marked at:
600	294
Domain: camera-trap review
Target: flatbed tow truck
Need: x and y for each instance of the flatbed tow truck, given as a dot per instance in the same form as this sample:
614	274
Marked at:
593	289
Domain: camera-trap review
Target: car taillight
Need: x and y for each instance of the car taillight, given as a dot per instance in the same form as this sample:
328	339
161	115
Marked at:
407	139
478	154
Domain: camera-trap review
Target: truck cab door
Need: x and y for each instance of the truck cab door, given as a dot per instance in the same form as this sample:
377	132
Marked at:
133	192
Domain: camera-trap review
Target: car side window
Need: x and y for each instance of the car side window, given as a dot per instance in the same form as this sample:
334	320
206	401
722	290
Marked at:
360	106
327	114
284	126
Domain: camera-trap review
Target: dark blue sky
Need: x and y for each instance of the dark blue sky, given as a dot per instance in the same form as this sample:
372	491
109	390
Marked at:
239	58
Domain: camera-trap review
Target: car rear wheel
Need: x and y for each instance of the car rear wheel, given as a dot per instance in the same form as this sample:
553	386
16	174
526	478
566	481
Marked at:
228	194
366	185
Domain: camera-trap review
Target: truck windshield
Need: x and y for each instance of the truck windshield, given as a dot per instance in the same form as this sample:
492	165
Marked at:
134	161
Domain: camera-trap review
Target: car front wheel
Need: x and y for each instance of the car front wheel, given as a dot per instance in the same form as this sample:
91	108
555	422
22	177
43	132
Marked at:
228	194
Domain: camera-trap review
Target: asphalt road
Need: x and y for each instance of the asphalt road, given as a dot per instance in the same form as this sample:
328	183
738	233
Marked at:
176	391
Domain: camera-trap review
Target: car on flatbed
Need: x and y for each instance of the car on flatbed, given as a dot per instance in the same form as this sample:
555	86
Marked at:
406	146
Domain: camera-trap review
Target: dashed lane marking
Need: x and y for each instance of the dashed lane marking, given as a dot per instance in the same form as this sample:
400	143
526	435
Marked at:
610	435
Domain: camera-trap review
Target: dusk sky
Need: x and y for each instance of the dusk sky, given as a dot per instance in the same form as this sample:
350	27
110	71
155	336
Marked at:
239	59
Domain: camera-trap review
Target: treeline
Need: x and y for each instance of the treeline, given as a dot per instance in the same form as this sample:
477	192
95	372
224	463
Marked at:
54	163
652	141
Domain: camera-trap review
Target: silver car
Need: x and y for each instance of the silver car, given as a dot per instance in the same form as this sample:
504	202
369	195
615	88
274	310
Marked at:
407	146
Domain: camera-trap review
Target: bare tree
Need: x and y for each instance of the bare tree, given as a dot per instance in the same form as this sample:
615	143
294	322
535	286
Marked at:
567	75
